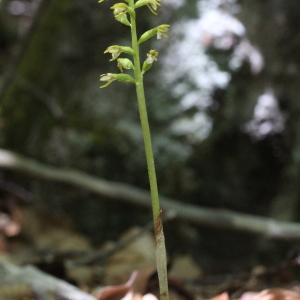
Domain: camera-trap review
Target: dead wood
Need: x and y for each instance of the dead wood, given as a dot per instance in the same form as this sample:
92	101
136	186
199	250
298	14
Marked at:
216	218
39	282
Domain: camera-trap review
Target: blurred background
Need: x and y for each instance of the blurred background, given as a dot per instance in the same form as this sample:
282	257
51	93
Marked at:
224	110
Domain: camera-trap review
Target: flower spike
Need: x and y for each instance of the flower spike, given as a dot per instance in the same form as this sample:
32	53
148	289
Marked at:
125	13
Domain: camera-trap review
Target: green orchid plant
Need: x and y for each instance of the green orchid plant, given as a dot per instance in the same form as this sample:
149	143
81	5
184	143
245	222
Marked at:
125	13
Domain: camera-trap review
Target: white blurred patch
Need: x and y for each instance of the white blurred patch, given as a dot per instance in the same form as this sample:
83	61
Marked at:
267	118
174	3
22	8
17	8
245	51
191	72
192	99
195	128
186	59
219	29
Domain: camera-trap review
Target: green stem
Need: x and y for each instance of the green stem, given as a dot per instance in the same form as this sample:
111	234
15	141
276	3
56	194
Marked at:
161	257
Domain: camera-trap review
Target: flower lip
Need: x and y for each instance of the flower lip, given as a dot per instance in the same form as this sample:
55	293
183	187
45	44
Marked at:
107	79
152	56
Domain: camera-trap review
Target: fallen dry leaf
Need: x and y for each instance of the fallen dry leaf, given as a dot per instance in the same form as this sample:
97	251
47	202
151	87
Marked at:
271	294
223	296
137	255
184	267
131	290
116	292
9	226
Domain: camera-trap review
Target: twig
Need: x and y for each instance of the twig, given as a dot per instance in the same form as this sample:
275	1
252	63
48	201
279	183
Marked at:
40	282
217	218
101	255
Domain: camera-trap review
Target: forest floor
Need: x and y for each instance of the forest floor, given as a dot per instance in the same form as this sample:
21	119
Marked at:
120	269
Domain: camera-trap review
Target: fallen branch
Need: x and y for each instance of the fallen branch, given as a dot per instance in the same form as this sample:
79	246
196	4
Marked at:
40	282
216	218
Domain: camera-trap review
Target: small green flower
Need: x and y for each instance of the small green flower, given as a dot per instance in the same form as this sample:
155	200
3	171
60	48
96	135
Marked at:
152	4
109	78
119	8
125	63
116	51
160	32
152	56
120	11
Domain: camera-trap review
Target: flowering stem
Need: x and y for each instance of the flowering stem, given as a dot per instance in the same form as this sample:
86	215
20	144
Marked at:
161	257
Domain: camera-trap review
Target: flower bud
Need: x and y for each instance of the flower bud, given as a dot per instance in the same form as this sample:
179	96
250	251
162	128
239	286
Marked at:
117	50
125	63
160	31
120	11
152	56
109	78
